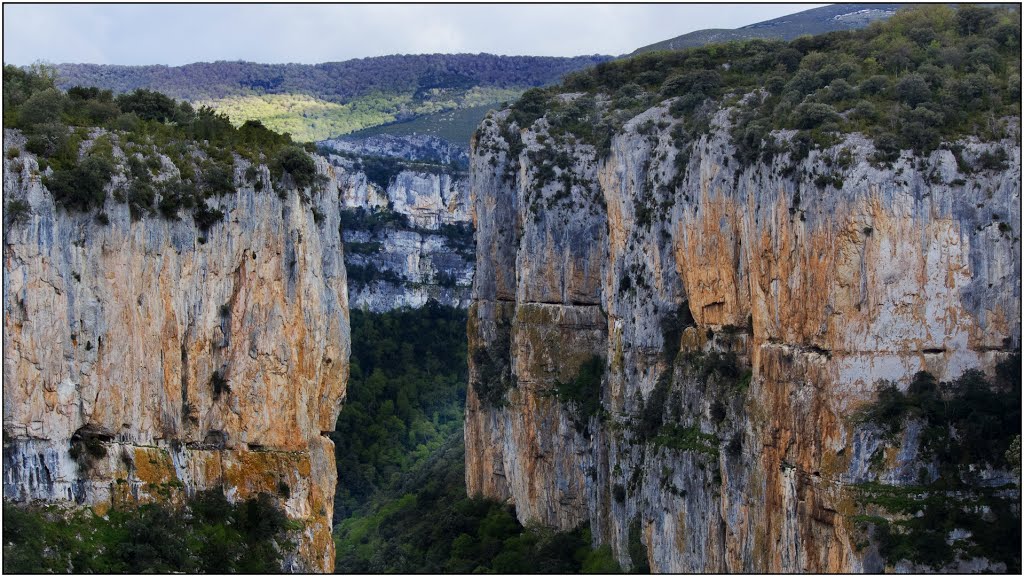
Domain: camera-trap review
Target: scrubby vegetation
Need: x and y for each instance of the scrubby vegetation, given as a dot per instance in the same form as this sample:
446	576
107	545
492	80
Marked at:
637	549
85	137
382	170
686	439
372	220
990	518
493	365
721	378
17	211
207	535
925	77
969	426
968	421
362	275
583	393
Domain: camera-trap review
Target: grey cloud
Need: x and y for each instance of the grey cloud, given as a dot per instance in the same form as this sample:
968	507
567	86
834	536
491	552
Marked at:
179	34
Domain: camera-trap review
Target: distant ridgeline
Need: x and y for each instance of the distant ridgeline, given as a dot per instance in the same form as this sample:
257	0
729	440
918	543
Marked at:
814	21
318	101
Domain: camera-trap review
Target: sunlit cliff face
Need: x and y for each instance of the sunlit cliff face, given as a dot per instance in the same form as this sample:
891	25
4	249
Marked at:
787	301
195	359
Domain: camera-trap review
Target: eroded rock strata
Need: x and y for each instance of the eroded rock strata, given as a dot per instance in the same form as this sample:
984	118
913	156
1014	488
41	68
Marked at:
742	315
408	229
180	359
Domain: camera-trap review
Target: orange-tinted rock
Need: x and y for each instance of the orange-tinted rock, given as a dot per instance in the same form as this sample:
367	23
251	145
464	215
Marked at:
120	329
819	292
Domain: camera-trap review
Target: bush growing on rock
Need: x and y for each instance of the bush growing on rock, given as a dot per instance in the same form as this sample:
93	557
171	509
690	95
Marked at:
83	187
17	211
296	162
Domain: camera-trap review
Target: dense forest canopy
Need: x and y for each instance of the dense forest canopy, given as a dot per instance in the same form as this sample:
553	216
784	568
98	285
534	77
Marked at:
406	391
206	535
321	101
332	81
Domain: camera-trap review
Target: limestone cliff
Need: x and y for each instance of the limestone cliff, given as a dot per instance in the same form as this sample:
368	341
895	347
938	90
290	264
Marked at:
742	315
193	359
408	231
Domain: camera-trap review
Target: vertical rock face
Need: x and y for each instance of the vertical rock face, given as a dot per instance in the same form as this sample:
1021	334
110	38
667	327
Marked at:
743	315
195	359
424	252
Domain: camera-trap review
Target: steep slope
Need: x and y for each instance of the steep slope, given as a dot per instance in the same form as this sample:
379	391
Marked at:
736	295
147	359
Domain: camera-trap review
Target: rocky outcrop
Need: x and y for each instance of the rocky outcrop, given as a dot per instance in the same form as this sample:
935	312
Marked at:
410	240
743	315
418	148
172	360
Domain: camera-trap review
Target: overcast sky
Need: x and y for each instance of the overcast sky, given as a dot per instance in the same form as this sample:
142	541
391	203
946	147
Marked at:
180	34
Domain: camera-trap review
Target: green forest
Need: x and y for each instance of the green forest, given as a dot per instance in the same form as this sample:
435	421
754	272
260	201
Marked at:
207	535
307	118
338	82
401	504
317	102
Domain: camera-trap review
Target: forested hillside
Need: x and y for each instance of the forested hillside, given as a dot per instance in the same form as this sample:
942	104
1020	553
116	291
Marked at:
331	81
319	101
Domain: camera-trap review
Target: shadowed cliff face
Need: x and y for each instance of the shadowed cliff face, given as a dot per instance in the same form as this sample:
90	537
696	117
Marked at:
194	359
744	315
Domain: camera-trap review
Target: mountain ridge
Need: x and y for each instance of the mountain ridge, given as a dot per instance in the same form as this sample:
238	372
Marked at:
813	21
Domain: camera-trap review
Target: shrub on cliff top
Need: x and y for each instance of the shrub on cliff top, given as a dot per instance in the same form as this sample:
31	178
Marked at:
296	162
82	187
919	76
142	121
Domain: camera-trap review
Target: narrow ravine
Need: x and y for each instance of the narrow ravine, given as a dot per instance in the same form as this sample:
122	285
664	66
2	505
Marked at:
401	504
